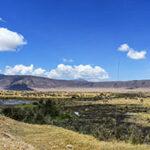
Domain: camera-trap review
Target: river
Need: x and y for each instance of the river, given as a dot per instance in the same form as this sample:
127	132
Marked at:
8	102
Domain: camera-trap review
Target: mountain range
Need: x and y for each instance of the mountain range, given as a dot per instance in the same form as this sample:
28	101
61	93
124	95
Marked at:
26	82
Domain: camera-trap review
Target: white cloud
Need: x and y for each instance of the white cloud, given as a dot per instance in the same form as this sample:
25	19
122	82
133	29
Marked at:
86	72
24	70
65	60
136	55
18	69
124	47
9	40
131	53
62	71
2	20
39	72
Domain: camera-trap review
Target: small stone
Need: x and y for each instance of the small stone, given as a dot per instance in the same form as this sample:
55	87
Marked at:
69	147
76	113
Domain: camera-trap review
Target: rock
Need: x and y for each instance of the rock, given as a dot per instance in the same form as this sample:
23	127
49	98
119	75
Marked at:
69	147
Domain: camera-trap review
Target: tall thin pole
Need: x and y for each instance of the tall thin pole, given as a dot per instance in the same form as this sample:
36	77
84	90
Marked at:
118	73
118	70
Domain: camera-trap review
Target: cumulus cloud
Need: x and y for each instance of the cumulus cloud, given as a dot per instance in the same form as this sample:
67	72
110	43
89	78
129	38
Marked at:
124	47
131	53
86	72
39	72
136	55
18	69
24	70
10	40
62	71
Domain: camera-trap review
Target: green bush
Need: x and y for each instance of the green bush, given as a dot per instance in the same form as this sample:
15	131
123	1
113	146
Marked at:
42	112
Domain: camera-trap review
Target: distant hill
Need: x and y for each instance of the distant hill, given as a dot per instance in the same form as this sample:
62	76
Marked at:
24	82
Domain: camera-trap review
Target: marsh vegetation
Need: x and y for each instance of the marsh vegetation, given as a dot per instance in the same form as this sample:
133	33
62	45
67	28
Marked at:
106	116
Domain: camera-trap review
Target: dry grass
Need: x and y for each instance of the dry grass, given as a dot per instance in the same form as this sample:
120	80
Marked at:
120	101
20	136
142	119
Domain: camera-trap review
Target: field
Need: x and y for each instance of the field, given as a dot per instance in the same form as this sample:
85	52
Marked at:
98	120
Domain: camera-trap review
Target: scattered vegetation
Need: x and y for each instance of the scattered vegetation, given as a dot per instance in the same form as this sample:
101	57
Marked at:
106	116
17	135
41	112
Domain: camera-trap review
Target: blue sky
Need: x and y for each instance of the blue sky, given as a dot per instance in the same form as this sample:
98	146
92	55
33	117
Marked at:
70	39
